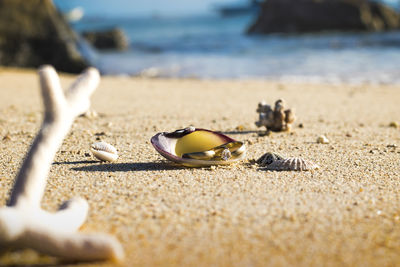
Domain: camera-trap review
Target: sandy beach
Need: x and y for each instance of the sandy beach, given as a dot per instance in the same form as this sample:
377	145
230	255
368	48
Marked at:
346	213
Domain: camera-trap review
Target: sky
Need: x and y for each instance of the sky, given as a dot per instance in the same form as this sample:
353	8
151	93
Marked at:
143	7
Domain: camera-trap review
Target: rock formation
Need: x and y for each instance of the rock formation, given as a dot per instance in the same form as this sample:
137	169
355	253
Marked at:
300	16
109	39
33	33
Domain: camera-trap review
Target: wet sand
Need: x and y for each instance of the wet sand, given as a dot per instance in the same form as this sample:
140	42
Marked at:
347	213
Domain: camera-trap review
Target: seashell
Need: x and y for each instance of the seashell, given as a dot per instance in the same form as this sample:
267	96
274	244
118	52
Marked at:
322	139
394	124
292	164
90	114
268	158
193	147
104	151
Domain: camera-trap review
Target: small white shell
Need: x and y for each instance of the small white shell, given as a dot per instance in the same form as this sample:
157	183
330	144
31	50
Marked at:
322	139
292	164
104	151
90	114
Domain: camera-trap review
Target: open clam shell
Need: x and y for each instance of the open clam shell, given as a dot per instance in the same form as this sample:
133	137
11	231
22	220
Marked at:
193	147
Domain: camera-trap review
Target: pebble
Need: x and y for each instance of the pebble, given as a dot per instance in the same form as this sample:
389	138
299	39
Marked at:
322	139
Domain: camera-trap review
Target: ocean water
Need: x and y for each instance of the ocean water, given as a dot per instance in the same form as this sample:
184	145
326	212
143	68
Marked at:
210	46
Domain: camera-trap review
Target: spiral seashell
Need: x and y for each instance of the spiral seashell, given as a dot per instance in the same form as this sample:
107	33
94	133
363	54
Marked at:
268	158
292	164
104	151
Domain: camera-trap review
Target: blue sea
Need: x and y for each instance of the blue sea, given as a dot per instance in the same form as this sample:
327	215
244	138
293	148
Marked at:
211	46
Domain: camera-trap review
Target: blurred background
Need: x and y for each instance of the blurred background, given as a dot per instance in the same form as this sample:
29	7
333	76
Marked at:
274	39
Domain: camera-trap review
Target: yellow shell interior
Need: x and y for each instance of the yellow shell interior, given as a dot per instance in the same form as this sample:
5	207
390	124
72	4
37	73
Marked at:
197	141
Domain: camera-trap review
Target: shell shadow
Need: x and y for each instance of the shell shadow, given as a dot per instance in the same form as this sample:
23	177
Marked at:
128	167
242	132
74	162
55	264
42	264
35	265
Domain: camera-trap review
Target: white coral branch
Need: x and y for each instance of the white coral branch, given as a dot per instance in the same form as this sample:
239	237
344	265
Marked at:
23	224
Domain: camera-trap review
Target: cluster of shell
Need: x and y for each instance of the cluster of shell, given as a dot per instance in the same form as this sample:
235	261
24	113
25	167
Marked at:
104	151
275	162
277	119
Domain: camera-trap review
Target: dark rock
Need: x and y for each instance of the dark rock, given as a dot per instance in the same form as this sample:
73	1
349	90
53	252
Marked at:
107	39
33	33
300	16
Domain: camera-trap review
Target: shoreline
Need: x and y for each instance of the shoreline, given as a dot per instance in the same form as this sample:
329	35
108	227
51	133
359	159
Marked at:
314	81
345	213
